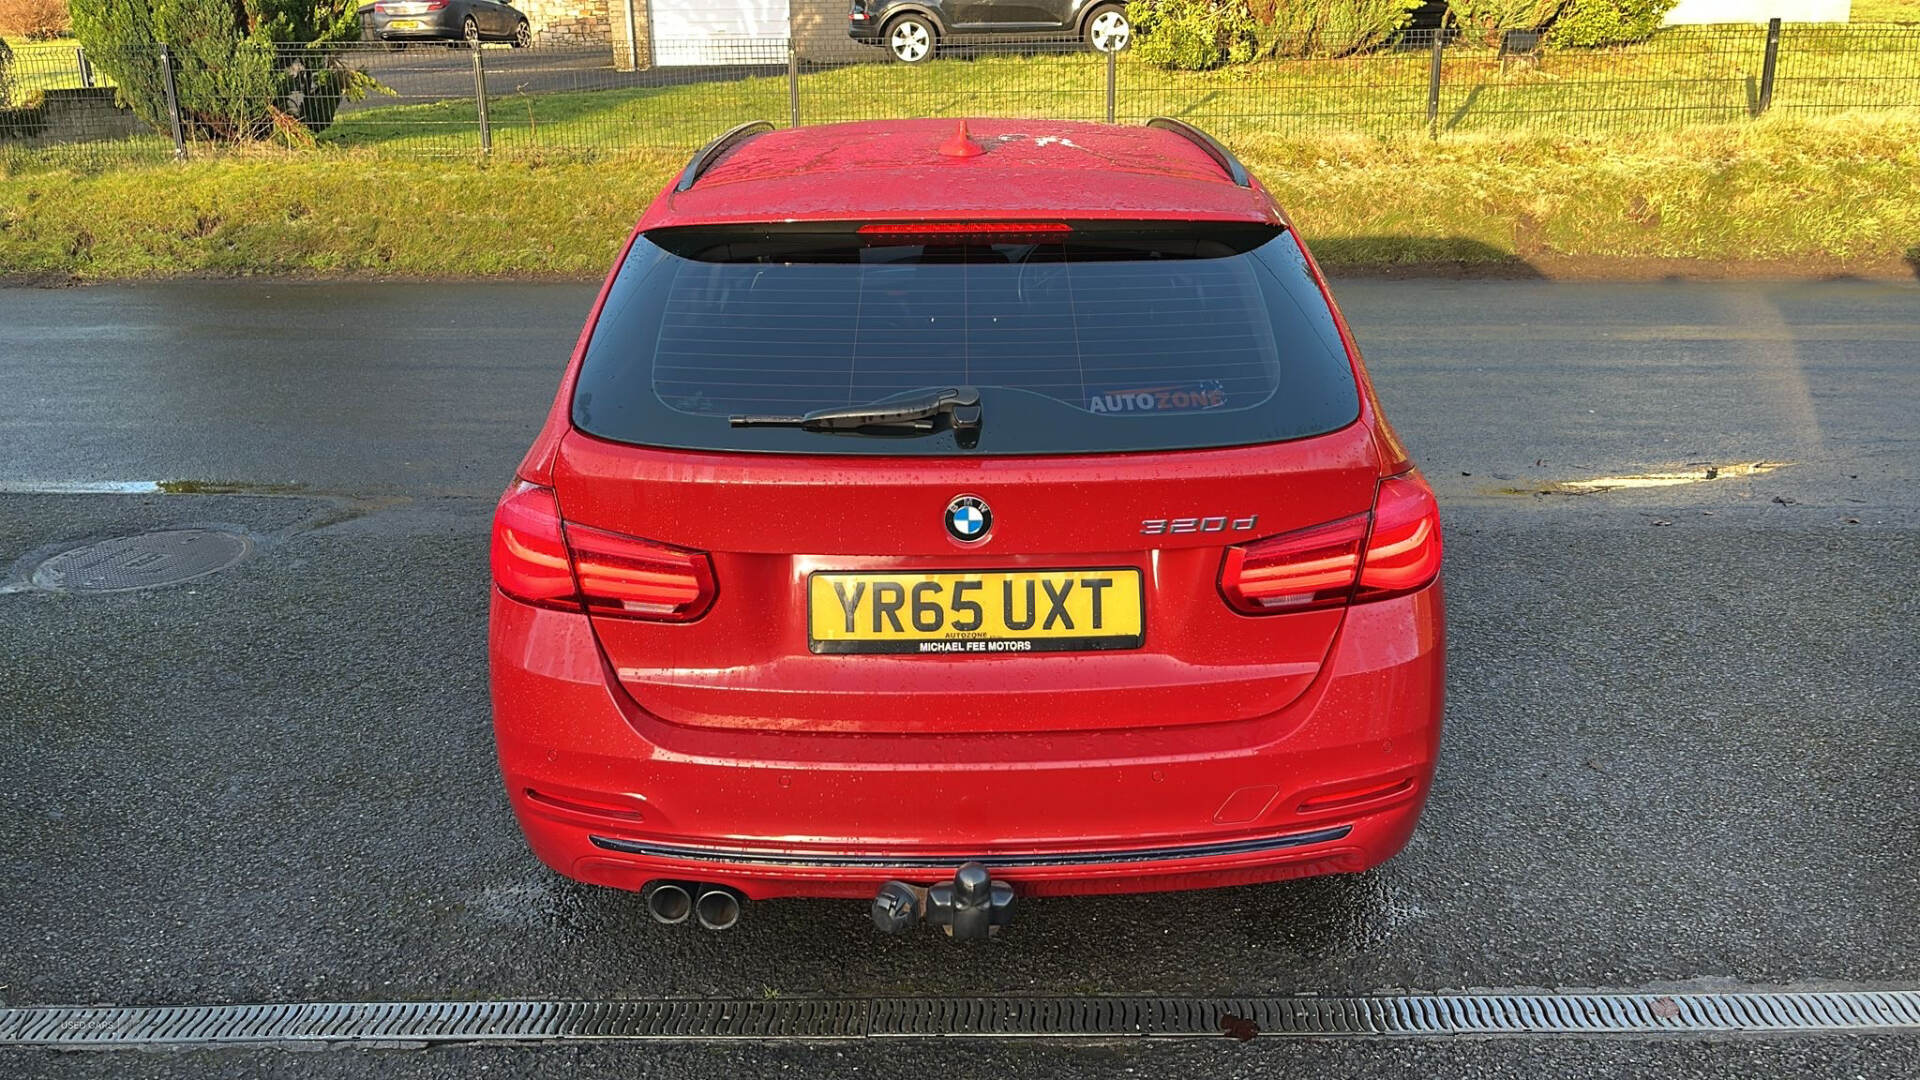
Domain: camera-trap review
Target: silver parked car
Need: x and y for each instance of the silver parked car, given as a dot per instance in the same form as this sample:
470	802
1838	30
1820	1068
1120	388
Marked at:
471	21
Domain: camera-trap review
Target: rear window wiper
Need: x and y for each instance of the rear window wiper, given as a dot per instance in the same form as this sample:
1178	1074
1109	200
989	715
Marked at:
960	405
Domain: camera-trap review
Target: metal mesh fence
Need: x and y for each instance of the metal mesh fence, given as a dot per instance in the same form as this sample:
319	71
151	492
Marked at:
57	105
1830	70
556	99
455	99
1686	75
1054	77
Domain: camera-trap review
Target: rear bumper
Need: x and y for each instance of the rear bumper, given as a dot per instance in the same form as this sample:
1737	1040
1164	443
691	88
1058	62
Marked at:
608	794
432	24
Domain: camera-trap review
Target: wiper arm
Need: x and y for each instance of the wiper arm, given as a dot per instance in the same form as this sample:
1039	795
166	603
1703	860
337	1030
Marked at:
960	405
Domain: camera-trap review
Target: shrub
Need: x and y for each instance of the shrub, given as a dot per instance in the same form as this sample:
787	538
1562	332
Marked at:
6	74
35	20
1328	27
243	69
1486	20
1587	23
1192	35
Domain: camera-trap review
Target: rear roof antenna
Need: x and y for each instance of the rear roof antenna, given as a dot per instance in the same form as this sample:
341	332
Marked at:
962	145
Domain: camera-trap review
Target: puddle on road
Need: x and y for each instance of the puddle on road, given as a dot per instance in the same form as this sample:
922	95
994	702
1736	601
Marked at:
1692	473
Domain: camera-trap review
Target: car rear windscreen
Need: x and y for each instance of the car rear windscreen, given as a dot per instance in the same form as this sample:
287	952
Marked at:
1092	339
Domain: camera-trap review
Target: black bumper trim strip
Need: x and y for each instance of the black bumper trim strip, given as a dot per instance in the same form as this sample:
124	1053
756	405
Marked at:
763	857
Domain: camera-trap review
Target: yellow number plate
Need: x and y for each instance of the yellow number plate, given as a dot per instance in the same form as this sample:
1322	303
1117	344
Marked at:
404	24
985	613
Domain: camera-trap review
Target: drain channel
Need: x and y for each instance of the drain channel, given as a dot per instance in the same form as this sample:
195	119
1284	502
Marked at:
1408	1015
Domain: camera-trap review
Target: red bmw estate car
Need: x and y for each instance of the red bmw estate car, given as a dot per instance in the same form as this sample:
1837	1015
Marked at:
938	517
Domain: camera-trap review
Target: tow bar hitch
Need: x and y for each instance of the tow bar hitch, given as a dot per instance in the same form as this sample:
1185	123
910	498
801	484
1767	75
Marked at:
970	907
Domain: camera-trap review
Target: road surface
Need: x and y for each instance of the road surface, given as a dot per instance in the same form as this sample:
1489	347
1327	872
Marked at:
1681	727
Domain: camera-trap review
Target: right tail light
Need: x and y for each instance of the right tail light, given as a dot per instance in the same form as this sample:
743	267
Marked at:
1403	551
1393	551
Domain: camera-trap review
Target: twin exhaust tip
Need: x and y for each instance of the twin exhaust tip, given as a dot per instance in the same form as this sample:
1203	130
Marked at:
712	906
971	906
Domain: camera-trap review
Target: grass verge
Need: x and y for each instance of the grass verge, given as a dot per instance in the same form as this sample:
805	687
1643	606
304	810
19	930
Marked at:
1682	77
1799	196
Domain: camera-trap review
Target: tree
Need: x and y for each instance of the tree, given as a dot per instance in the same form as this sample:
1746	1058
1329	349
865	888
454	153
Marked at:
1608	22
243	69
1200	34
1486	21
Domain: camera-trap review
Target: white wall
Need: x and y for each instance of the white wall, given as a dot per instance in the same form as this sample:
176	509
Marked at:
718	31
1738	11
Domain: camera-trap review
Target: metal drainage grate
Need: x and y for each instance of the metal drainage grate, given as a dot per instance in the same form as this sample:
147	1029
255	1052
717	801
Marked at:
1402	1016
144	561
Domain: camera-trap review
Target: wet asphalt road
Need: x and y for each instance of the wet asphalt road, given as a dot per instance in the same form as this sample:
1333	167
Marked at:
1682	721
434	71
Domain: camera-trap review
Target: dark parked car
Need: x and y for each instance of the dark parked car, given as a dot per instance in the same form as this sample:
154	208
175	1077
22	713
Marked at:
911	29
445	20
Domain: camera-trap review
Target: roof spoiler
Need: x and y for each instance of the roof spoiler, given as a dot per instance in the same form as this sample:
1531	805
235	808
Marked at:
1235	171
710	153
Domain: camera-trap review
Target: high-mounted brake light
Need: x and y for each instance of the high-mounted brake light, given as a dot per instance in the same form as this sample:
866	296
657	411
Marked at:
1393	551
538	559
966	228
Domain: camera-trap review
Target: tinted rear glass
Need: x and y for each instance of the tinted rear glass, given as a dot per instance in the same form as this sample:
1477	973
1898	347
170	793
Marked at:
1087	342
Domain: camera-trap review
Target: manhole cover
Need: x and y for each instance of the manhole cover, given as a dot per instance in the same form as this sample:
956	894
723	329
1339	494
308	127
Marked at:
144	561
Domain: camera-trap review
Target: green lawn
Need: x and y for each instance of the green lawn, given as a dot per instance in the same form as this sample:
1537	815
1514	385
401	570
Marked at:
1685	76
1795	195
1886	11
1535	167
45	65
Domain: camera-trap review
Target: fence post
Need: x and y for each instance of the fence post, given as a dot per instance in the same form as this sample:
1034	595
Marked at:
1768	66
480	100
1433	82
86	69
633	37
173	103
1112	63
793	84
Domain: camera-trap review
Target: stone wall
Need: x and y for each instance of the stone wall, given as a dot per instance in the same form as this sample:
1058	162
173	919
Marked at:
567	22
820	33
72	115
636	52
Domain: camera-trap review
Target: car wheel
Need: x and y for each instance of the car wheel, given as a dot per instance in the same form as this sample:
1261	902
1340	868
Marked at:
910	39
470	31
1108	30
522	35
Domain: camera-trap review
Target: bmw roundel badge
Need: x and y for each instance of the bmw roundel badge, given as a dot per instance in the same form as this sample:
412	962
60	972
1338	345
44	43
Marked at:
968	519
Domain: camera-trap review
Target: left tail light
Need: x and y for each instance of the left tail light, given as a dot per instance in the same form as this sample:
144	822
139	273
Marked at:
539	559
529	553
623	575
